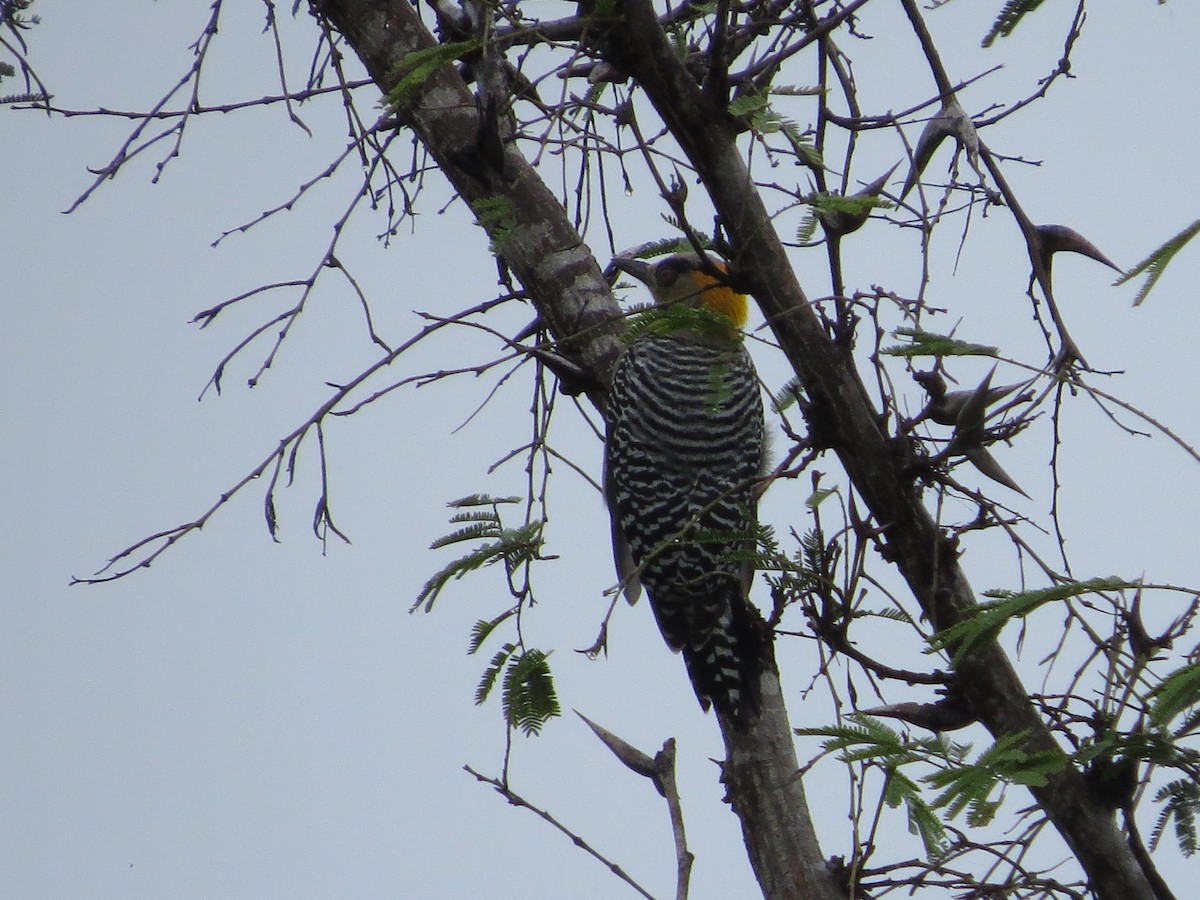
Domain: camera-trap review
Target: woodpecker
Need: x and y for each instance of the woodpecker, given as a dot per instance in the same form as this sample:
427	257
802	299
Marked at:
684	446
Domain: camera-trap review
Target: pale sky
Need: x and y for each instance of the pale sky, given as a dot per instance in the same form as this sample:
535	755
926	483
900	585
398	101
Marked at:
257	719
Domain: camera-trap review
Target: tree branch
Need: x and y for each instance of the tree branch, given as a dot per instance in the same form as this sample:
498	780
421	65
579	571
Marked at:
875	464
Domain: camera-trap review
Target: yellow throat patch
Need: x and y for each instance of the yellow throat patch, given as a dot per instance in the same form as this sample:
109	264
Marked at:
720	298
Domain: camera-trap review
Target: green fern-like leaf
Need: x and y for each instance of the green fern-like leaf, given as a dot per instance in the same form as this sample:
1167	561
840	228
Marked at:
787	395
1190	723
1154	264
498	217
487	516
414	70
677	317
492	672
667	246
482	629
927	343
1010	16
819	496
840	204
481	500
478	530
794	90
755	110
802	144
922	820
748	104
529	698
867	739
1176	693
1182	805
987	619
512	545
968	786
521	545
806	231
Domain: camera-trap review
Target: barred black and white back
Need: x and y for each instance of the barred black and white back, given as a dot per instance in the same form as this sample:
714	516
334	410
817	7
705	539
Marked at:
685	443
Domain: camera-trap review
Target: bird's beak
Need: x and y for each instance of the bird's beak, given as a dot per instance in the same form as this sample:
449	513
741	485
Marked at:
642	271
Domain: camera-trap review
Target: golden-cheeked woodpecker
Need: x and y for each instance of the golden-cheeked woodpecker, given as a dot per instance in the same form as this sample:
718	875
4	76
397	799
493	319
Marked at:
685	446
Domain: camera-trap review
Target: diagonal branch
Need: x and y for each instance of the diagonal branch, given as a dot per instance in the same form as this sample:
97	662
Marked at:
875	464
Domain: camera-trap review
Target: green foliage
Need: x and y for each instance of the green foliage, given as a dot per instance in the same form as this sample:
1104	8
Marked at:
806	231
835	208
1154	264
867	740
927	343
498	218
1010	16
964	786
792	90
969	786
414	70
740	546
679	317
754	108
1177	692
1181	801
667	246
854	205
808	572
922	820
482	629
488	681
986	620
787	395
512	546
817	497
11	17
529	699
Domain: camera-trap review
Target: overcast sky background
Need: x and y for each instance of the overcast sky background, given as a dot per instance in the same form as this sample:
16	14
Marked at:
250	718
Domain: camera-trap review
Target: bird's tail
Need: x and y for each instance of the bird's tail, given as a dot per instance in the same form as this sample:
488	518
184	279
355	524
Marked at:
725	669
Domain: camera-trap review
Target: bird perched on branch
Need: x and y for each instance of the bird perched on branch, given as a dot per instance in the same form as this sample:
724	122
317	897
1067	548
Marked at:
685	446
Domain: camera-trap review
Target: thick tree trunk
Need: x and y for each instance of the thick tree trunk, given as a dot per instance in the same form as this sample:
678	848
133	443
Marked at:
557	269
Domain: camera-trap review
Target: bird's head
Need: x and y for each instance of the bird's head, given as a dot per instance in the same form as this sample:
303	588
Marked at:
681	279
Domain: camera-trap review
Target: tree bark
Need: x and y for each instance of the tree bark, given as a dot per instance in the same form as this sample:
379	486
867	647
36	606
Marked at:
540	245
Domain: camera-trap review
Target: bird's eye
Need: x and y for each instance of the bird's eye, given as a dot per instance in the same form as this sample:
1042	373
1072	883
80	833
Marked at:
667	272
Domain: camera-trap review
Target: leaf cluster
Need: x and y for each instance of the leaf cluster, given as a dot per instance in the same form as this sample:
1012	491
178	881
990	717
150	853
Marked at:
963	785
830	207
415	69
527	698
676	317
928	343
1010	16
987	619
1154	264
512	546
754	108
